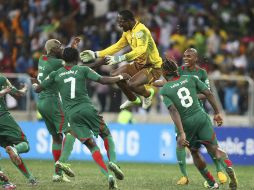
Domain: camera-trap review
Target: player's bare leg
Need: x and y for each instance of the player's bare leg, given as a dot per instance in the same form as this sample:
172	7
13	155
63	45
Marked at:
132	98
201	166
137	84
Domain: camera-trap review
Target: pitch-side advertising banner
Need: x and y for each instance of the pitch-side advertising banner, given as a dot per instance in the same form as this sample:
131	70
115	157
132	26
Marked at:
141	143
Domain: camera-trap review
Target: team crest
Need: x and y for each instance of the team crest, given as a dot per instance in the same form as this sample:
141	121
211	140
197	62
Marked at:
140	34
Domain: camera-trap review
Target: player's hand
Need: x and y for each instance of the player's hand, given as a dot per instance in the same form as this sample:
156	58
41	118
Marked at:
125	76
159	83
111	60
182	140
87	56
75	42
218	119
5	91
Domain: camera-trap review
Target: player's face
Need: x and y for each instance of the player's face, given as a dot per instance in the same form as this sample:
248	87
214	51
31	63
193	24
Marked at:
189	58
124	24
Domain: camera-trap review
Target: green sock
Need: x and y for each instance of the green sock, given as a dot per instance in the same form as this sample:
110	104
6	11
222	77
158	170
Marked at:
181	158
22	147
67	147
207	175
216	163
110	147
137	101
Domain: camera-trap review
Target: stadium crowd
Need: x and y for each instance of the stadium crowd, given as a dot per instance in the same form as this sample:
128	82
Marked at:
221	31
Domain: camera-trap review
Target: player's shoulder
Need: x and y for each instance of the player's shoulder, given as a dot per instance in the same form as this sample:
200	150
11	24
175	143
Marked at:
2	77
200	69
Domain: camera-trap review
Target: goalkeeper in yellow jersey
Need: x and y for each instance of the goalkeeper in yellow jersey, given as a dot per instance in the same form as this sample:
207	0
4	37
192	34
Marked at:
144	61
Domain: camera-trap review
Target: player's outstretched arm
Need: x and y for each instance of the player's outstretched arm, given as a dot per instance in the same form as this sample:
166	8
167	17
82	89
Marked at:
217	116
177	120
5	91
88	56
111	80
15	92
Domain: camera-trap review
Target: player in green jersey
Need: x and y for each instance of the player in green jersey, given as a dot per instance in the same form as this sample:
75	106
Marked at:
84	119
50	107
190	67
12	137
5	183
192	122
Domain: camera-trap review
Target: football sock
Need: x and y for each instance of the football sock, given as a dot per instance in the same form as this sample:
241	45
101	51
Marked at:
208	176
110	148
56	151
96	154
22	147
181	158
23	169
225	162
216	163
67	147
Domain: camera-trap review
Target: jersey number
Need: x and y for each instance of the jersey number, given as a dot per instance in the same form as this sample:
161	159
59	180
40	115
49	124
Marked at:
73	85
184	95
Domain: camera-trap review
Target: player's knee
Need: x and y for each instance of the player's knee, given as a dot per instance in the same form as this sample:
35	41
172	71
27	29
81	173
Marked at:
26	147
132	84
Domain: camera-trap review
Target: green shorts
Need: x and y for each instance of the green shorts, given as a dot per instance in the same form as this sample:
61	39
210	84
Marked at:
10	132
86	122
199	130
52	112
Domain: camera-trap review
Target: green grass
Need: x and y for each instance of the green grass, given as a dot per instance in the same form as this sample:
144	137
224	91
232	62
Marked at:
137	176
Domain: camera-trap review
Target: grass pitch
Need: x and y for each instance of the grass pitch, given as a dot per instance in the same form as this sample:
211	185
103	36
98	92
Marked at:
137	176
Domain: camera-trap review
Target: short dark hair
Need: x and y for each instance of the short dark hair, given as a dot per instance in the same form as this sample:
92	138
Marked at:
127	15
169	65
70	55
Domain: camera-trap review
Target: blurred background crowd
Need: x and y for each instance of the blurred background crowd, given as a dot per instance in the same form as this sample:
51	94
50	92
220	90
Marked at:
220	30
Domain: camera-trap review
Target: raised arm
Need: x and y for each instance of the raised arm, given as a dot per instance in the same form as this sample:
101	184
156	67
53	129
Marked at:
16	92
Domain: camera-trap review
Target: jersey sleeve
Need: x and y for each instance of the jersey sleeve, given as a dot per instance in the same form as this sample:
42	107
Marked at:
166	100
205	79
111	50
200	86
49	80
91	74
142	44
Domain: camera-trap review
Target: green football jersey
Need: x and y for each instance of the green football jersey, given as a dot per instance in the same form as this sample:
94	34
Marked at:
198	72
71	83
182	92
3	84
46	65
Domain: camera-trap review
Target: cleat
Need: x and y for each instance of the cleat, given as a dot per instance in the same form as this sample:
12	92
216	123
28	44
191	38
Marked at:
129	103
215	185
222	177
13	155
183	181
112	183
116	169
65	167
32	181
233	181
147	102
8	186
60	178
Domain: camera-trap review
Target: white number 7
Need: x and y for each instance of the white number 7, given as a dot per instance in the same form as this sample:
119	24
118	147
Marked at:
73	85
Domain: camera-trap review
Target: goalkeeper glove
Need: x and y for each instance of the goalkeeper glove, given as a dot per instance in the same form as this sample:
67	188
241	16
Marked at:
111	60
88	55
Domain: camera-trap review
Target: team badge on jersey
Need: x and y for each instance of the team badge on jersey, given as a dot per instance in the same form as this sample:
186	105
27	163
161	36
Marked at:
139	34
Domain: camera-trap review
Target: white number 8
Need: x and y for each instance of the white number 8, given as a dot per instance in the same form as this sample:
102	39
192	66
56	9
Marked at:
186	99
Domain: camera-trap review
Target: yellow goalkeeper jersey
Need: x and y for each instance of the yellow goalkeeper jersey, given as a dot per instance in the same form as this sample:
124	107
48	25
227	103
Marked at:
144	50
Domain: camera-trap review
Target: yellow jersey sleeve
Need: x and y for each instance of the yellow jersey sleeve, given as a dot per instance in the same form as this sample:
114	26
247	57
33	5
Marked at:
111	50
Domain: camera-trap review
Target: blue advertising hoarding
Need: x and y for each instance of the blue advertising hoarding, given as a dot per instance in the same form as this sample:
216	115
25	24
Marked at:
142	143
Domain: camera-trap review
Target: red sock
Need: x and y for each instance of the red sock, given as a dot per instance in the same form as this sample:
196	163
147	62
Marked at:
99	160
